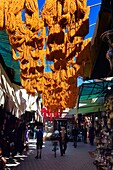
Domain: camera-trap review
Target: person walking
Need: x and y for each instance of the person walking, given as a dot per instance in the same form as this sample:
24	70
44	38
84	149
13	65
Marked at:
63	141
74	135
91	134
39	138
85	134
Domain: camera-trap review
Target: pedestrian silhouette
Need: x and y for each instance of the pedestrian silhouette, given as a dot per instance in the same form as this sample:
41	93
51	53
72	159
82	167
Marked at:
39	143
74	135
63	140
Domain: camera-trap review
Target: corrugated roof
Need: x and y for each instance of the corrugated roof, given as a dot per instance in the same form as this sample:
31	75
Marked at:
92	95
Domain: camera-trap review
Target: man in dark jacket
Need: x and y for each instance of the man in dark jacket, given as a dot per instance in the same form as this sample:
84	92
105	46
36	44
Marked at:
39	135
91	134
85	134
75	134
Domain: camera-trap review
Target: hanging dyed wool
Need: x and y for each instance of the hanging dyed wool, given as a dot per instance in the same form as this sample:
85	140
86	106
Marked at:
67	24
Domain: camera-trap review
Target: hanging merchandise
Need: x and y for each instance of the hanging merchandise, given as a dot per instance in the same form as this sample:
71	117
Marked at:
56	34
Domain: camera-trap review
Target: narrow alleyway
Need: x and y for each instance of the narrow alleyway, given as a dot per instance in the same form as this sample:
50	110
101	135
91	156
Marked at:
74	159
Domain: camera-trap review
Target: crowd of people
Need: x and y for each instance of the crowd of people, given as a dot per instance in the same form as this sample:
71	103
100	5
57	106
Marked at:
14	135
82	133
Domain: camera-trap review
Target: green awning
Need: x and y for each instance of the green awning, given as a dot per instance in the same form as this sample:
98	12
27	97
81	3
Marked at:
6	52
92	96
89	108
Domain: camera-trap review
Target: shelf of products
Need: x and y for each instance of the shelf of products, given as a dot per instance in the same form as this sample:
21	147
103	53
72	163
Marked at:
104	138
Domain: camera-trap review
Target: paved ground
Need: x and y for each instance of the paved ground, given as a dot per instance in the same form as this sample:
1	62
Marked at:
74	159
